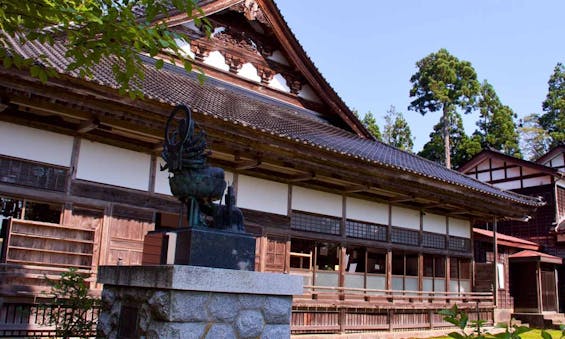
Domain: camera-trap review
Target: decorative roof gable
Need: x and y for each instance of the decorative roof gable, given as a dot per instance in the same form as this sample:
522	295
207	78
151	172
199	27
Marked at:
252	46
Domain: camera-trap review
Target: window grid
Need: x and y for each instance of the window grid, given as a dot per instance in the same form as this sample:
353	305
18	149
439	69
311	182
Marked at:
404	236
315	223
32	174
361	230
433	240
459	244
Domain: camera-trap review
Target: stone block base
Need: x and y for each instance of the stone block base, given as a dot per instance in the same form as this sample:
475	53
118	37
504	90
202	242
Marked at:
137	305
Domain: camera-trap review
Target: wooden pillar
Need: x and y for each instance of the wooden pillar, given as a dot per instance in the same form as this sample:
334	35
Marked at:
421	273
494	262
538	287
388	269
447	273
287	256
341	280
264	242
556	288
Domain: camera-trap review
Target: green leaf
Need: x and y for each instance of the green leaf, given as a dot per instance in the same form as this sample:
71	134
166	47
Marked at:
159	63
521	329
8	62
456	335
545	335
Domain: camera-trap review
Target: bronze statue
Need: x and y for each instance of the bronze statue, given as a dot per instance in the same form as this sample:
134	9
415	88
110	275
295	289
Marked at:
192	181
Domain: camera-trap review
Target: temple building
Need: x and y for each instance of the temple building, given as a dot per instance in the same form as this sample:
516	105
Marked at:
542	266
382	238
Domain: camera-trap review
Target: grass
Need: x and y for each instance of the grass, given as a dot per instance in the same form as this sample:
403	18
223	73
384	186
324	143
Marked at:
533	334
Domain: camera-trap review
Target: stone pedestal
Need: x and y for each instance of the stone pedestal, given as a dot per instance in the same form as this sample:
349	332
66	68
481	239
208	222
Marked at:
195	302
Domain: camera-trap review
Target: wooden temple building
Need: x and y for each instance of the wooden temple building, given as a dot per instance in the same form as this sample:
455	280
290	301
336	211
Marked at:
382	238
540	238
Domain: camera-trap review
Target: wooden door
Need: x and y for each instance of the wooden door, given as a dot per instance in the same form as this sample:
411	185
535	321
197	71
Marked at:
275	254
548	292
127	229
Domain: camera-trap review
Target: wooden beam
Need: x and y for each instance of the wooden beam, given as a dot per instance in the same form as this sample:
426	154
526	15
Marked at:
357	189
87	126
245	165
403	199
301	178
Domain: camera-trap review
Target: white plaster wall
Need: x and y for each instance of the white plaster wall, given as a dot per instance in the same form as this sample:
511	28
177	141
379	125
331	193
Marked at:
513	172
484	176
556	161
262	195
35	144
216	59
459	227
497	163
278	57
112	165
307	200
307	93
484	165
248	71
434	223
368	211
509	185
498	174
185	47
279	82
161	178
405	217
537	181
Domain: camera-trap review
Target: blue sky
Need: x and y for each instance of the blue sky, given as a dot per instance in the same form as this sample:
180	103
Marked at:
367	49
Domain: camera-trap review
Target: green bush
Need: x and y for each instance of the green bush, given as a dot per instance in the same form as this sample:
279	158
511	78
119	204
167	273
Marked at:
71	309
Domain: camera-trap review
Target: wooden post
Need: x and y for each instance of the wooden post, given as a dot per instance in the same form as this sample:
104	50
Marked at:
447	275
556	288
421	275
538	287
341	280
494	262
388	269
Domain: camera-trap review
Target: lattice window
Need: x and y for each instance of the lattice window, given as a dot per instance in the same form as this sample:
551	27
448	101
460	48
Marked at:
404	236
459	244
314	223
433	240
27	173
361	230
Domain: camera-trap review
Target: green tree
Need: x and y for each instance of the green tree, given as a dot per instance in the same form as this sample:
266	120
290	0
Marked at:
534	139
444	83
553	120
371	124
497	128
463	147
95	29
397	133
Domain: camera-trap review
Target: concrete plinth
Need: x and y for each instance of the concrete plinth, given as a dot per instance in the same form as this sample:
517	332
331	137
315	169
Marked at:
195	302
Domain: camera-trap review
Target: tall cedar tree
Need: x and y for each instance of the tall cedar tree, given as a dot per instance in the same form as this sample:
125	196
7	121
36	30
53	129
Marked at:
93	30
497	128
371	124
534	139
396	132
444	83
463	147
553	120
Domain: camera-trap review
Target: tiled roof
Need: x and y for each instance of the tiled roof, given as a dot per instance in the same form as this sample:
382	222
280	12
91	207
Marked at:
239	106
